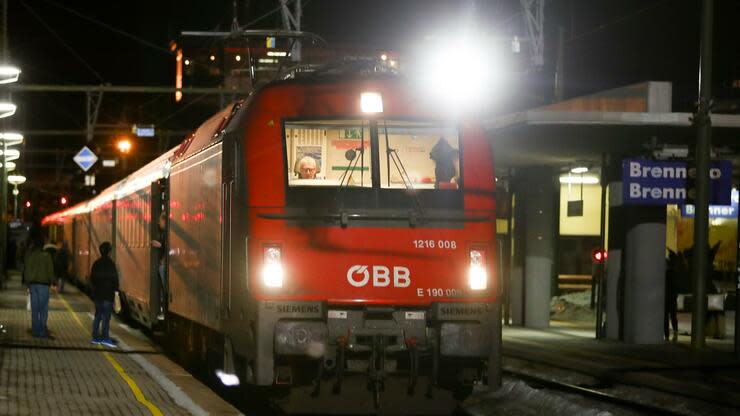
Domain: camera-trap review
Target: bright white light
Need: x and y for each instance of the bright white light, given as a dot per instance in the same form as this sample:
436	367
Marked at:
9	74
187	62
16	179
272	271
16	191
579	169
272	275
384	57
11	166
277	53
588	180
477	278
11	154
7	109
213	58
227	379
267	61
11	139
371	102
460	73
238	58
109	163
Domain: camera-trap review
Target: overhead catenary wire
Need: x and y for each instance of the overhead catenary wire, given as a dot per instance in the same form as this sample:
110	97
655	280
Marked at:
61	40
618	20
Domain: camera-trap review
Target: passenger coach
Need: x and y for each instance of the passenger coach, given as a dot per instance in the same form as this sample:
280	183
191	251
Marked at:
329	232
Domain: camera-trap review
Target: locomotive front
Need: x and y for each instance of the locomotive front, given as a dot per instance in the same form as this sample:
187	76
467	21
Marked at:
371	243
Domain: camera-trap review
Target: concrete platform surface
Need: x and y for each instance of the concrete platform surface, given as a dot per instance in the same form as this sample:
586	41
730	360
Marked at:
712	375
69	376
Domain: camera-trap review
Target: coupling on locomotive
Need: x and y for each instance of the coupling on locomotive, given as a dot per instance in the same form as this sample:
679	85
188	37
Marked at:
324	232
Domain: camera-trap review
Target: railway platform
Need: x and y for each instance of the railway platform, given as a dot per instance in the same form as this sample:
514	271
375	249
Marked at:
671	370
69	376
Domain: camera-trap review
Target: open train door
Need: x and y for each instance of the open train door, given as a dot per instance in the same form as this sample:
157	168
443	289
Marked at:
158	229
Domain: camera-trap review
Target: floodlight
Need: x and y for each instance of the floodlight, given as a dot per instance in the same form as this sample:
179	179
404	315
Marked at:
579	169
11	139
10	154
9	74
7	109
11	166
587	179
16	179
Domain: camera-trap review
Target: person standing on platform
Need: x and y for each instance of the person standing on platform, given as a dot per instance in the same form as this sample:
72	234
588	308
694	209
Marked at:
39	275
161	245
61	265
104	280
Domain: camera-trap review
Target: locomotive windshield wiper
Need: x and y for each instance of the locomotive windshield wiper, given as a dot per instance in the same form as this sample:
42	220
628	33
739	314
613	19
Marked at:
392	154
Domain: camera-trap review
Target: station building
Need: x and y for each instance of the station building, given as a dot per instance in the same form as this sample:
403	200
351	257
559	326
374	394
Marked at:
561	204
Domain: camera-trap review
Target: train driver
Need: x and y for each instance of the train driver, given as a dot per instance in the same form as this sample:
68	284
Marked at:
307	168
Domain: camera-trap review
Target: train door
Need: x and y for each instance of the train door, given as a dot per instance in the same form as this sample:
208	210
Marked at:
158	228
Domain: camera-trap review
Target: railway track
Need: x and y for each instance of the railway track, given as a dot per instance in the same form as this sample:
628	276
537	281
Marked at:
595	392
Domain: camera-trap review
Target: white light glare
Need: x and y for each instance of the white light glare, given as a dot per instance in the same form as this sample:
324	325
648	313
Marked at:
272	271
11	139
371	102
477	276
579	169
466	78
7	109
587	180
11	154
9	74
277	53
227	379
16	179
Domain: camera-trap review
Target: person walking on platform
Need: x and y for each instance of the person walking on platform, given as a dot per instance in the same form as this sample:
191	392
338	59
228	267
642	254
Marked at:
39	274
104	280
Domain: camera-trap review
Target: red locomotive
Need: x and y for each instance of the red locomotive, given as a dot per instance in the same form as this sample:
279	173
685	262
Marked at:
329	229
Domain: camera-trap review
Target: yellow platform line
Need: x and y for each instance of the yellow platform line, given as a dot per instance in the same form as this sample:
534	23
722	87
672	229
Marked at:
154	410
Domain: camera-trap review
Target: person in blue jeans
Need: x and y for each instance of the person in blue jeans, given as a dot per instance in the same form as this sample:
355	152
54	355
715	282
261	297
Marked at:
39	275
104	281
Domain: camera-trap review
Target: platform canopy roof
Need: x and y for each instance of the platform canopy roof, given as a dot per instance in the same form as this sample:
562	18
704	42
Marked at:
629	121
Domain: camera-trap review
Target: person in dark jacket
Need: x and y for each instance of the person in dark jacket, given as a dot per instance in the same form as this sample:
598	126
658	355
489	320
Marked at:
39	275
104	280
61	265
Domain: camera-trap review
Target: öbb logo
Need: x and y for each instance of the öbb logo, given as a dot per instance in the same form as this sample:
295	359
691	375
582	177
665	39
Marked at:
359	276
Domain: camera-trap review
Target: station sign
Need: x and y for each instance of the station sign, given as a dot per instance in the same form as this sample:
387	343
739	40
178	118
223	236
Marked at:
143	130
85	158
716	211
658	182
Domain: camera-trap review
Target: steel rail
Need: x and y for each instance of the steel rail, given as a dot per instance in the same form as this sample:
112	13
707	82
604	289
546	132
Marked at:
592	393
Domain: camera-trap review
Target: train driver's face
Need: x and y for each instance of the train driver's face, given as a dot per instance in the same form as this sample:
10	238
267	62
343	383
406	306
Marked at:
307	170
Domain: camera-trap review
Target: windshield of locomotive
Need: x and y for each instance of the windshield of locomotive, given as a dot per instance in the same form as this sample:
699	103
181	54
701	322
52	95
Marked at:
328	153
412	155
417	155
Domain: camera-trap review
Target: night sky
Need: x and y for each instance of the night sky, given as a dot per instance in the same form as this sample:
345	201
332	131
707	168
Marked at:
608	44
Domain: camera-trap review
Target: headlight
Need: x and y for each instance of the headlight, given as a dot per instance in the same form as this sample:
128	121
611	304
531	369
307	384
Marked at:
272	270
477	275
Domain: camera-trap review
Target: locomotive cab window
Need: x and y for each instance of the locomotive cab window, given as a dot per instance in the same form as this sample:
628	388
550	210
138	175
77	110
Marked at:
328	153
418	155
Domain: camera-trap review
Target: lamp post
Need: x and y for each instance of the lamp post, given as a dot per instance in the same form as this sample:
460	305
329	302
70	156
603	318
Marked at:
16	180
124	147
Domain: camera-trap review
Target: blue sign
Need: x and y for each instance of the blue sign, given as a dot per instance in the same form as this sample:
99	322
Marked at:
85	158
716	211
655	182
144	131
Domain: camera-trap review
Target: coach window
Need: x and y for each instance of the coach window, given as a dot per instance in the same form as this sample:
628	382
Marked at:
328	153
418	155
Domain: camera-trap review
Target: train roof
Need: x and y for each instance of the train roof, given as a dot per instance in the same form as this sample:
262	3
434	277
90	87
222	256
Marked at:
205	135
